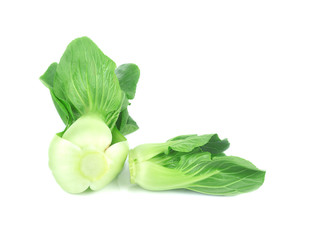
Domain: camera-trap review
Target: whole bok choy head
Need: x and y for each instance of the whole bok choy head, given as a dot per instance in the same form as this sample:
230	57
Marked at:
193	162
91	97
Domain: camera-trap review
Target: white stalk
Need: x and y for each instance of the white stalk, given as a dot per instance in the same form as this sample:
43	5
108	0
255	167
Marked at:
84	157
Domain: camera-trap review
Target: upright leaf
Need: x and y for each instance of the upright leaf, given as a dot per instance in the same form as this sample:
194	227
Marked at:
128	75
86	79
63	108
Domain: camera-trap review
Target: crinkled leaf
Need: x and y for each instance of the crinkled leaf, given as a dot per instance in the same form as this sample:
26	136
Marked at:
128	75
216	145
125	123
130	127
206	143
188	143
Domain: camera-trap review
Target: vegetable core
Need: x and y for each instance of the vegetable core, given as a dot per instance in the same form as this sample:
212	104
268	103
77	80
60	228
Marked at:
93	165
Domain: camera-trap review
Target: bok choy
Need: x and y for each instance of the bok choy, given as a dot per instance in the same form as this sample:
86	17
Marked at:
193	162
91	96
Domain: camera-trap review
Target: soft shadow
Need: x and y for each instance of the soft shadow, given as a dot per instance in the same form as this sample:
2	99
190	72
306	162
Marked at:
111	187
184	192
122	183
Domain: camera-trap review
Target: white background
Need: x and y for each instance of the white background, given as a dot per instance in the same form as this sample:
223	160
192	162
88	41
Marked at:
236	68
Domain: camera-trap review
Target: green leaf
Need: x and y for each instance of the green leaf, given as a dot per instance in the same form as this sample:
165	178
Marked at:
125	102
182	137
63	108
216	145
237	161
187	143
48	77
181	161
85	79
229	176
193	164
131	126
128	75
125	123
206	143
122	120
117	136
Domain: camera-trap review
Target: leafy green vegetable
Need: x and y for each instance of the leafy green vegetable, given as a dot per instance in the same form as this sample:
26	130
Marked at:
90	100
193	162
128	75
92	97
